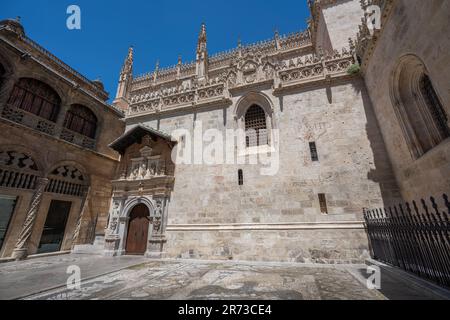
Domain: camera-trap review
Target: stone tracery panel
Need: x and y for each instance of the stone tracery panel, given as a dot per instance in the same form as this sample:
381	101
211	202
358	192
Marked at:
67	180
17	170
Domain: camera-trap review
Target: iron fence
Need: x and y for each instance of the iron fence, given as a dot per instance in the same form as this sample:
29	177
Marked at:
414	237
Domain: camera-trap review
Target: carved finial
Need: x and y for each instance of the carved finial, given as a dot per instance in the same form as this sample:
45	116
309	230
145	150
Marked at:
202	39
157	66
128	63
180	61
130	53
239	42
277	39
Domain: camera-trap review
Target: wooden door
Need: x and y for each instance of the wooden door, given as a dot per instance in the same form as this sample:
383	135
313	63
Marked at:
138	230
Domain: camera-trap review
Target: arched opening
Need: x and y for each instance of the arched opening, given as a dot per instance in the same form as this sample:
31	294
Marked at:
35	97
256	127
82	120
418	107
67	185
18	171
138	228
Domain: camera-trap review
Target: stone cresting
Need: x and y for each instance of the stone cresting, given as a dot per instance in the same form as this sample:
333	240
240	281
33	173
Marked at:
20	251
241	68
365	42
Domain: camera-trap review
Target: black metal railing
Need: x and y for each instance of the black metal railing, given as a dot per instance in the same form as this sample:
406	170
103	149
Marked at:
414	237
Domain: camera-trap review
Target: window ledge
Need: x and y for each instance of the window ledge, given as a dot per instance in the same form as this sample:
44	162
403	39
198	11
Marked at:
257	150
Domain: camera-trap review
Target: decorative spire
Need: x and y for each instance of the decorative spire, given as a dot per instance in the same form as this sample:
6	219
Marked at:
155	74
202	39
128	63
277	38
179	63
125	79
202	54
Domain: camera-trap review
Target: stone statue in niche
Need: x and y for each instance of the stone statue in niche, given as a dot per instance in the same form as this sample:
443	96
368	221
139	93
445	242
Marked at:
156	218
142	170
134	172
156	222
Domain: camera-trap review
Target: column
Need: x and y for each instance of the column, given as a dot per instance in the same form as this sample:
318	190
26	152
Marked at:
84	208
21	250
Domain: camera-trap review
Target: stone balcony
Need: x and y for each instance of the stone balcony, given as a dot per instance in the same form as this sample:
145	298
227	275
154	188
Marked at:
44	126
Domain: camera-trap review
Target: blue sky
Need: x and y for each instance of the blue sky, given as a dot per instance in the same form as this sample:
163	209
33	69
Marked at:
157	29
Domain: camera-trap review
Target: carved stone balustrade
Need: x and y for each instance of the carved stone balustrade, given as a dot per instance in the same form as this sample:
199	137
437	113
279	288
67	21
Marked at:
32	121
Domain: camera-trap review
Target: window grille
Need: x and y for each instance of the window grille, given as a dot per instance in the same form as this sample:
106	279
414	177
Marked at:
256	127
82	120
313	150
435	107
35	97
323	203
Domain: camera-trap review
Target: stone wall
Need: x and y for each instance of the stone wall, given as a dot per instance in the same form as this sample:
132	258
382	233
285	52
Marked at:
419	28
341	21
304	246
353	172
50	153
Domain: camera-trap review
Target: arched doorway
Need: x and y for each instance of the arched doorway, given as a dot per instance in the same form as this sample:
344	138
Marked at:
137	235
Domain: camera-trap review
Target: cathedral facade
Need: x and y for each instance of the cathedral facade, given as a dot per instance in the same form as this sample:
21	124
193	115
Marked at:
311	118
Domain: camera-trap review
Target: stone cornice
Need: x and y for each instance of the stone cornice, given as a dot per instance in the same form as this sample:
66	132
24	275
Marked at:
31	49
356	225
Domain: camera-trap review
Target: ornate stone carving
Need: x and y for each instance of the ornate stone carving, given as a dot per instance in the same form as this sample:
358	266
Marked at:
17	160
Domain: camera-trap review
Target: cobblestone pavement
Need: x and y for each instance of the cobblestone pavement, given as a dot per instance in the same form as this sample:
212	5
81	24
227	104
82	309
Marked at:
201	280
18	279
139	278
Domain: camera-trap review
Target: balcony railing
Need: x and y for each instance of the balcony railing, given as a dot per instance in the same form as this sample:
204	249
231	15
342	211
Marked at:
47	127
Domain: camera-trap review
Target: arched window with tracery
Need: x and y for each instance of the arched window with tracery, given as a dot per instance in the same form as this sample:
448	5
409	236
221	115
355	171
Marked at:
256	127
81	120
35	97
420	112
